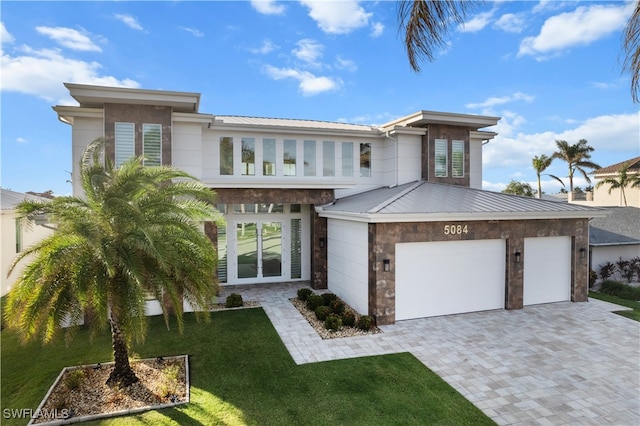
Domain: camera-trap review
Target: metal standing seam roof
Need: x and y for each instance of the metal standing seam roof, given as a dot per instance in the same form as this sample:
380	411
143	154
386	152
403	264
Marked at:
622	226
427	198
289	122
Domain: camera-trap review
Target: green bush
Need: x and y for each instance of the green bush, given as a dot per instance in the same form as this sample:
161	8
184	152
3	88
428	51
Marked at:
234	300
337	306
593	277
333	322
314	301
304	293
73	379
623	291
365	322
328	298
322	312
348	318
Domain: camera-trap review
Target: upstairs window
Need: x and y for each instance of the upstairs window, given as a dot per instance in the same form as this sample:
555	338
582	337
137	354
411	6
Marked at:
289	157
152	144
268	157
457	158
124	142
226	155
248	156
441	157
347	159
309	158
365	160
328	158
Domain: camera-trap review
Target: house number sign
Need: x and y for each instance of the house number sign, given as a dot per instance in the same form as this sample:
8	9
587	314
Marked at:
455	229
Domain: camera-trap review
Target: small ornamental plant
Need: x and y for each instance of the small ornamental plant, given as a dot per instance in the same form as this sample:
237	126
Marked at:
365	322
234	300
304	293
337	306
333	322
73	379
314	301
322	312
348	319
328	298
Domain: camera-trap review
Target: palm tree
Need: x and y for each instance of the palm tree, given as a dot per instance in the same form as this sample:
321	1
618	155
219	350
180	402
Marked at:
577	157
540	164
135	233
425	25
623	180
631	49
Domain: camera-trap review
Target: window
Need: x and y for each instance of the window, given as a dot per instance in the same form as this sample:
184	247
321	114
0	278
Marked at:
457	158
347	158
328	158
248	156
441	157
289	156
226	155
309	158
222	253
268	157
365	160
124	142
18	235
296	248
152	144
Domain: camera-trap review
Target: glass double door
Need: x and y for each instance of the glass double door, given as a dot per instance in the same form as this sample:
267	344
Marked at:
259	251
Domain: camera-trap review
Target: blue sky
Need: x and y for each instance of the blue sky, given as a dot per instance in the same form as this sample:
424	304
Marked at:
551	69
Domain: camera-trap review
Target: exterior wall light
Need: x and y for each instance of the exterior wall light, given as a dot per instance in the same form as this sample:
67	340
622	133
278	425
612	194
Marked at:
386	265
583	253
322	242
518	255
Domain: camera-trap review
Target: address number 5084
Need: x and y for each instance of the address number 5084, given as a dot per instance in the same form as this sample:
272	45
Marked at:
455	229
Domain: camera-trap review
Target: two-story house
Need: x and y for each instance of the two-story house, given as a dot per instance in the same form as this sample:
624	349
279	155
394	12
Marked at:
392	218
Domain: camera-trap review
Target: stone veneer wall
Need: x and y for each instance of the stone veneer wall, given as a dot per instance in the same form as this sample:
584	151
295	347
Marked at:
384	236
139	115
442	131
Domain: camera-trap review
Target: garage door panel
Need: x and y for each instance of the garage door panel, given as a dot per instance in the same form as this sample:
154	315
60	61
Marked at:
441	278
547	270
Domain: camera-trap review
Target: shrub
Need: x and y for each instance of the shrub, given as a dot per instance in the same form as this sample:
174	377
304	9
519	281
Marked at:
623	291
337	306
348	318
593	277
73	379
234	300
322	312
607	270
328	298
365	322
333	322
304	293
314	301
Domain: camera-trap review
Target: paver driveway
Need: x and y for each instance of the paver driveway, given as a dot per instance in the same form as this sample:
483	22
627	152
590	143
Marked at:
554	364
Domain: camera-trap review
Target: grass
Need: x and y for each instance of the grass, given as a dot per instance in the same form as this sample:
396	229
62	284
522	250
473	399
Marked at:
634	314
241	373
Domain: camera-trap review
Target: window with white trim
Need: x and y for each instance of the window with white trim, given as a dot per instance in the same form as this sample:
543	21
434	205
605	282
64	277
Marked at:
347	159
441	157
365	160
124	142
328	158
152	144
248	156
309	158
289	157
457	158
268	157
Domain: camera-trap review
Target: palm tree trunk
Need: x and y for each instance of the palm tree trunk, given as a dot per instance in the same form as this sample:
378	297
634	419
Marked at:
539	187
122	374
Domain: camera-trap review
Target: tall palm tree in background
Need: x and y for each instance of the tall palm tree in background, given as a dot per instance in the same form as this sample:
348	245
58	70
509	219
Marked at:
540	164
620	182
577	157
631	51
135	233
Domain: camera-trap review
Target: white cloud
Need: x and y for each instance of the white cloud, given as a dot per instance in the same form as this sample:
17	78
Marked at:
5	36
337	17
308	51
193	31
477	23
41	73
500	100
129	21
265	48
69	38
346	64
21	140
268	7
377	28
580	27
510	22
309	84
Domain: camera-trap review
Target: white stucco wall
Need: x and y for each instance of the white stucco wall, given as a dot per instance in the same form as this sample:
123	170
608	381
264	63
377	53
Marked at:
601	196
602	254
409	158
475	164
347	263
186	148
85	131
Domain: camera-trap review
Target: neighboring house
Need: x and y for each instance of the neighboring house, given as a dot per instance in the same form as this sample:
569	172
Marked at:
392	218
601	195
16	234
615	236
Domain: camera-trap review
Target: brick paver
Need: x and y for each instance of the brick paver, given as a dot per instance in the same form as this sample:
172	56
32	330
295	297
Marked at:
553	364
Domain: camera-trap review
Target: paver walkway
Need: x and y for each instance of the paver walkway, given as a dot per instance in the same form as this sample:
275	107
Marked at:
553	364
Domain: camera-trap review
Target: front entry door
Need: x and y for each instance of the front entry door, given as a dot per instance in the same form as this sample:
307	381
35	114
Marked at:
259	250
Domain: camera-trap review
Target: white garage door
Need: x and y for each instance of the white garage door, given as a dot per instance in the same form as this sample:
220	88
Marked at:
547	270
441	278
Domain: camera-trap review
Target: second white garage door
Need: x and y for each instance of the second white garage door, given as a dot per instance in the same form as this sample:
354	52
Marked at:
450	277
547	270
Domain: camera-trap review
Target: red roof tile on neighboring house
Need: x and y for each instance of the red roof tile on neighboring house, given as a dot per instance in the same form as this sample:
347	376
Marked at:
634	166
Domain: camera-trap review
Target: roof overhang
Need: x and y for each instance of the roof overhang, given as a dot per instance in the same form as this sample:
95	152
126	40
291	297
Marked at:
424	118
97	96
227	127
67	114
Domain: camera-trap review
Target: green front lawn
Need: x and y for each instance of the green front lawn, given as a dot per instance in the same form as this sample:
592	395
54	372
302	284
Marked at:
241	373
633	314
